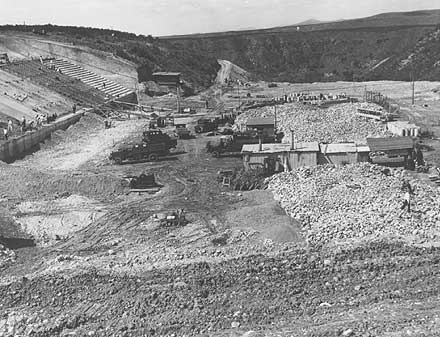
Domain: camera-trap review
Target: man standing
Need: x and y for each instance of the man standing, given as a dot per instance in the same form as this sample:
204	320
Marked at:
5	133
23	124
9	126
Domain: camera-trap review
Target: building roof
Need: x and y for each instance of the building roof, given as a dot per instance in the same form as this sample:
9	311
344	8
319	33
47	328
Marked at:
363	148
266	148
404	125
338	148
281	147
165	73
260	121
390	143
306	147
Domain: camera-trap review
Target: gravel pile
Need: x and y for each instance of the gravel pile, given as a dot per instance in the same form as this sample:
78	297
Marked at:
336	204
336	124
6	256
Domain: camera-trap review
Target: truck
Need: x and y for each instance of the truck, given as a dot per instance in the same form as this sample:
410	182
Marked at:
205	125
229	145
141	151
182	131
157	136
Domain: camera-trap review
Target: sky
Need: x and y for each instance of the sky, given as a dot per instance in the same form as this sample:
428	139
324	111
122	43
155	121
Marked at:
170	17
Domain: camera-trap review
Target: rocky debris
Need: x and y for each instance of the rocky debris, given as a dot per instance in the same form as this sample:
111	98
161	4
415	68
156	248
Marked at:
259	292
6	256
338	123
356	201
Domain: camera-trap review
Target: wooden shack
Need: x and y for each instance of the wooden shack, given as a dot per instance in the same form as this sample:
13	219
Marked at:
401	128
281	155
264	125
391	151
343	153
169	79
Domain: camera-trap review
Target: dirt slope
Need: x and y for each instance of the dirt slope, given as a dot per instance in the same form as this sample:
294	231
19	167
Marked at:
103	63
19	97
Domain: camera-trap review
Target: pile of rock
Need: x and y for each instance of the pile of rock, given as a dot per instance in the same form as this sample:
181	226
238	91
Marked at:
338	123
337	204
6	256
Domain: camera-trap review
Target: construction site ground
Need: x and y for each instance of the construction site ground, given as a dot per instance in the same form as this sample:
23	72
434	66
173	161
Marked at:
102	264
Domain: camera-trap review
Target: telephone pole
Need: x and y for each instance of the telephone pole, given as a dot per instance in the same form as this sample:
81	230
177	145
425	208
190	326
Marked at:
412	86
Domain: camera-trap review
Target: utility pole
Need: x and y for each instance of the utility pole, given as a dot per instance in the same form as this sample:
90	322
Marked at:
238	92
413	89
178	97
412	86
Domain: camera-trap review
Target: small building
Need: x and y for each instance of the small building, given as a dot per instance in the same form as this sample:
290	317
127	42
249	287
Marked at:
264	125
401	128
343	153
167	78
4	59
277	157
391	151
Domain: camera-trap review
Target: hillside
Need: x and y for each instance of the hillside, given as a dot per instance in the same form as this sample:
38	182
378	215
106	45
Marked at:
320	55
120	56
382	47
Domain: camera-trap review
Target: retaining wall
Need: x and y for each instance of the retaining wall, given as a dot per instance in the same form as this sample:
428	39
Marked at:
16	147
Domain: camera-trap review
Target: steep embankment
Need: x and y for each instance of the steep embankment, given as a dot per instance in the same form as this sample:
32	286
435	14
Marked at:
318	56
19	46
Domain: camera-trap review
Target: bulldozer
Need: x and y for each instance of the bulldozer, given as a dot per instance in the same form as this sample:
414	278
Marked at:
175	218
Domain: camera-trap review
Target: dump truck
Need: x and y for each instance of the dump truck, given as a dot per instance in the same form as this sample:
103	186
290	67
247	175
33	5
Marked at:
205	125
142	151
182	131
157	136
229	145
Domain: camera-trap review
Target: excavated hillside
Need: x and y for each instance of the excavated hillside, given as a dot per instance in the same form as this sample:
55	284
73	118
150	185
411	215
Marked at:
333	55
383	47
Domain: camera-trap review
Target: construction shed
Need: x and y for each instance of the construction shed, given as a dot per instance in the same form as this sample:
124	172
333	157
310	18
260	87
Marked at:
264	125
391	151
167	78
280	156
343	153
401	128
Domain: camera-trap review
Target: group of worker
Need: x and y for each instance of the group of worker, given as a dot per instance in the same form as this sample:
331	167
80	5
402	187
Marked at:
24	126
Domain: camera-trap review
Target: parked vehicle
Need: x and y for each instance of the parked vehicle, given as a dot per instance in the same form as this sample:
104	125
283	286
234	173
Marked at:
205	125
157	136
182	131
142	151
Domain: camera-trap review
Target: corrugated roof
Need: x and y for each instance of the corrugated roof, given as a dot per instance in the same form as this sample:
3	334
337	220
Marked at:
338	148
281	147
390	143
306	147
363	148
403	124
260	121
266	148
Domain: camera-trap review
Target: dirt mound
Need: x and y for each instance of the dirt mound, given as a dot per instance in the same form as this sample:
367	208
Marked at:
24	183
48	221
265	217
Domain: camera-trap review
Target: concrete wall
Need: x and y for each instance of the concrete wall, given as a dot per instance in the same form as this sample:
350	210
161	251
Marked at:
16	147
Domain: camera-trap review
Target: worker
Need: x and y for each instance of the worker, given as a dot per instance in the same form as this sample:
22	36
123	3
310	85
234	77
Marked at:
419	157
23	124
10	128
74	108
5	133
406	196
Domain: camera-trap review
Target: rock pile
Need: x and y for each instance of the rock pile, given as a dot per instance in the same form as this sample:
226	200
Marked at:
356	201
6	256
337	124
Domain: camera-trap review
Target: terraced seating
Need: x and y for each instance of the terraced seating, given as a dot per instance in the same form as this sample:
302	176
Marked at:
110	88
79	92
